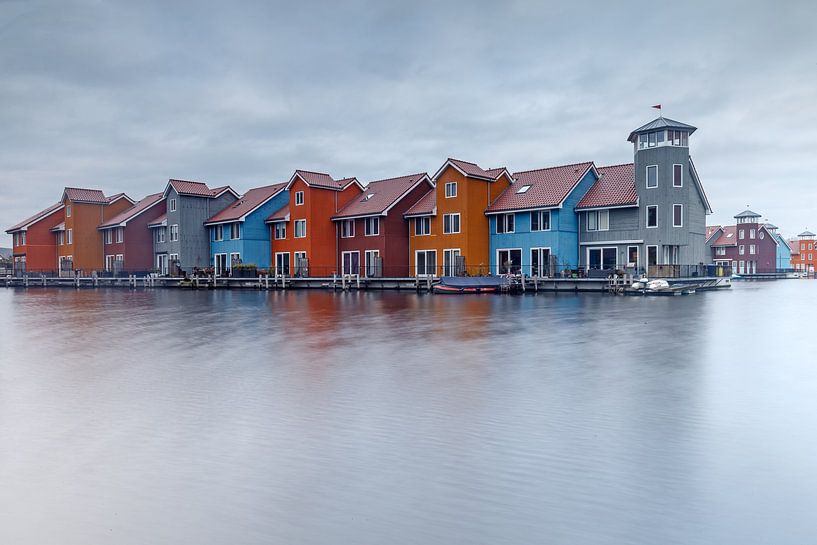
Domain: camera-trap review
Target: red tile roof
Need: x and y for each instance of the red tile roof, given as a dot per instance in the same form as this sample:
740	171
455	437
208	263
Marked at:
279	215
381	195
472	170
322	180
248	202
710	230
547	187
76	194
425	206
35	218
195	189
794	245
158	221
728	237
133	211
616	187
118	196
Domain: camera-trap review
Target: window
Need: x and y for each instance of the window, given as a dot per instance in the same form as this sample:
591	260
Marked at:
120	234
451	223
372	226
652	176
450	190
281	233
174	258
109	262
632	256
235	259
373	264
720	250
752	233
761	235
171	204
422	226
174	233
523	189
69	236
677	215
752	249
540	221
299	198
598	220
509	261
450	267
347	229
540	262
652	139
68	211
161	233
425	262
301	262
120	258
300	228
652	216
282	263
505	223
350	262
218	233
108	236
741	249
642	141
741	234
677	175
235	231
61	238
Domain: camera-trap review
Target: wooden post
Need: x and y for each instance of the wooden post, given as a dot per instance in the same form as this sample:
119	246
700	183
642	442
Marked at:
358	282
523	282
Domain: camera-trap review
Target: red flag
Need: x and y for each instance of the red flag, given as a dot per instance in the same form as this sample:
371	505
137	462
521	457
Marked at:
657	106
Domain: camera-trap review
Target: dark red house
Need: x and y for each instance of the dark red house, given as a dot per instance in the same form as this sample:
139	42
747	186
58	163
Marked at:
126	239
748	247
372	234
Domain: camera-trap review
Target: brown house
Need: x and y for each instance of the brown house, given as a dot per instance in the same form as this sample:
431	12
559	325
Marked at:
127	240
34	245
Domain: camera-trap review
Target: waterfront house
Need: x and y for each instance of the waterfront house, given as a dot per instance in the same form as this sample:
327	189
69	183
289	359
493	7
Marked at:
33	244
794	247
373	238
783	253
534	228
239	234
748	246
181	241
650	212
127	242
304	241
448	228
808	250
79	243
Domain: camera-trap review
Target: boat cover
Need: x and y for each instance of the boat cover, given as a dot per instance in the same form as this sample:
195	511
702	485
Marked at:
472	281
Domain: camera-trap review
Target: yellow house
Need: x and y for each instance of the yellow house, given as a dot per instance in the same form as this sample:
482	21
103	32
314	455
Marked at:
448	228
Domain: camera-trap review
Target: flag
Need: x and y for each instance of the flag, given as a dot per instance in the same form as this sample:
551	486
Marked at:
657	106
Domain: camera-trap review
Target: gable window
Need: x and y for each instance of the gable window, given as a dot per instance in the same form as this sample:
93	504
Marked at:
505	223
300	228
652	216
372	226
761	236
598	220
450	190
68	211
299	198
677	215
174	233
652	176
347	229
161	233
451	223
678	175
540	221
281	231
108	236
172	205
218	233
422	226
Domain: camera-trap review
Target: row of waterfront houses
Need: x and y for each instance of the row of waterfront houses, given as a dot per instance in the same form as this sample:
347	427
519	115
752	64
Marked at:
464	219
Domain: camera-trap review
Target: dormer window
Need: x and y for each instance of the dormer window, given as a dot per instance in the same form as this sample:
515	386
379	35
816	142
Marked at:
523	189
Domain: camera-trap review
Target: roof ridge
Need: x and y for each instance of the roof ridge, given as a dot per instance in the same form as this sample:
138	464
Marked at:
463	161
553	167
313	172
618	165
396	178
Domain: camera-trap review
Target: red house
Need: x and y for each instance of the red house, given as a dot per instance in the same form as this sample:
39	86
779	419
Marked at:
34	245
373	238
127	240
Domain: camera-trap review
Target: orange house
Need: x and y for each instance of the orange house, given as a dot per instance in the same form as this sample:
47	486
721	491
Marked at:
807	260
79	242
34	248
448	228
304	240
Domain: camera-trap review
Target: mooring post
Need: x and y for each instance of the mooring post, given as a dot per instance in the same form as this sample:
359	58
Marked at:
358	282
428	279
523	282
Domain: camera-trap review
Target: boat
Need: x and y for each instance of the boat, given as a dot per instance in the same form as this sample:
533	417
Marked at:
659	287
469	284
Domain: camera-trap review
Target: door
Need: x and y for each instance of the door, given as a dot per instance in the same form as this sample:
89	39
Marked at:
220	263
373	265
426	262
301	264
594	258
282	263
450	262
509	261
652	255
351	262
161	264
609	258
540	262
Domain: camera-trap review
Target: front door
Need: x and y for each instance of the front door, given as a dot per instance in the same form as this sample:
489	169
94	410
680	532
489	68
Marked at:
220	263
652	255
450	262
373	264
282	263
540	262
609	258
351	262
509	261
161	264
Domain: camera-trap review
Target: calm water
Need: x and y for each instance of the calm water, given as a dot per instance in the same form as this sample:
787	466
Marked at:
171	417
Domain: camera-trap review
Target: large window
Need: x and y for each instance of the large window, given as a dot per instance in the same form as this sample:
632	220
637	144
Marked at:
677	175
347	229
450	190
235	231
161	233
598	220
540	221
451	223
540	262
602	258
282	263
425	262
372	226
299	198
422	226
652	176
652	216
300	228
677	215
373	264
450	267
69	236
281	231
108	236
505	223
174	233
509	261
351	262
172	205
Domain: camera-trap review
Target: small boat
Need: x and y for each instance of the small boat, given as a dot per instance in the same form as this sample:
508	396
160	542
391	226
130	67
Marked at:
660	287
469	284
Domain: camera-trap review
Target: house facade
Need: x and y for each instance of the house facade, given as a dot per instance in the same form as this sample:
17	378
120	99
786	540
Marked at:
304	238
34	247
748	246
373	239
806	262
79	243
126	238
448	228
783	253
181	242
239	234
534	229
651	212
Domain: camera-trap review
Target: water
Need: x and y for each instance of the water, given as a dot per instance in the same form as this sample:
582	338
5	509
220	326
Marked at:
170	417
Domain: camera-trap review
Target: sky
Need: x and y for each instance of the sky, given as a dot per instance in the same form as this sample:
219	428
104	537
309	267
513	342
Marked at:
121	96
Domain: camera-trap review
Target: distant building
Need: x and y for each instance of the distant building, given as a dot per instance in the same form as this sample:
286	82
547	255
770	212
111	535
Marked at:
783	250
749	246
794	246
807	242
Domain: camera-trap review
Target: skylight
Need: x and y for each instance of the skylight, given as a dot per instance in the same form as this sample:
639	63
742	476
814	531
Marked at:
367	197
523	189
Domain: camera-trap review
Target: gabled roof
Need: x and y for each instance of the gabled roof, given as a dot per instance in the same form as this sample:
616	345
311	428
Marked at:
121	219
28	222
711	230
426	206
728	236
196	189
381	195
322	180
282	214
114	198
472	170
806	234
161	221
747	214
90	196
661	123
771	226
616	187
546	188
247	204
794	246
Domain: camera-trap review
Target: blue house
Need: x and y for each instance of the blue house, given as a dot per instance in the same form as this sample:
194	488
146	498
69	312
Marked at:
783	252
534	228
238	234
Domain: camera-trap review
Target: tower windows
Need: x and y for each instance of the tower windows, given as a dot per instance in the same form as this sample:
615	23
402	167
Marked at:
652	176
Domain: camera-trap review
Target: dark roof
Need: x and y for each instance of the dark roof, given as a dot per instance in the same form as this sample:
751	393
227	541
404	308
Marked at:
547	187
748	214
133	211
158	221
425	206
195	189
710	230
728	236
661	123
472	170
35	218
615	187
248	202
807	234
279	215
381	195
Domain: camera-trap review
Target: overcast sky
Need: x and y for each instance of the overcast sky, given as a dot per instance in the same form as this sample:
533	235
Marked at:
122	96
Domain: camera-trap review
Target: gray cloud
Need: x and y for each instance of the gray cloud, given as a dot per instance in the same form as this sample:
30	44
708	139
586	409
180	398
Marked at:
123	95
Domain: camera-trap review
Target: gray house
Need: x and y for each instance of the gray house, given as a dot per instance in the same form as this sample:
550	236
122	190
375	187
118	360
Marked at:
180	239
648	212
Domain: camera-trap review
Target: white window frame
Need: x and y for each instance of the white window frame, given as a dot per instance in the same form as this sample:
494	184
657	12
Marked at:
597	215
741	250
647	218
218	233
279	227
424	221
299	222
366	254
637	255
350	253
673	175
216	269
752	249
120	235
235	231
347	229
299	198
741	234
601	249
108	236
752	234
502	219
417	266
450	190
371	226
176	231
69	236
454	253
540	214
674	208
288	264
109	259
67	210
171	205
451	230
161	235
542	266
647	180
230	260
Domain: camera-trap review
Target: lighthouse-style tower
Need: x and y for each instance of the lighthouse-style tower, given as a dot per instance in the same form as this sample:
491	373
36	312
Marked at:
671	200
